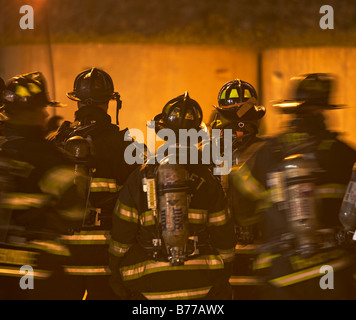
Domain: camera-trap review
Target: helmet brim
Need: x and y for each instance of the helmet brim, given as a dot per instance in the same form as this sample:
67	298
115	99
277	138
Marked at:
291	106
73	96
56	104
158	120
252	113
159	123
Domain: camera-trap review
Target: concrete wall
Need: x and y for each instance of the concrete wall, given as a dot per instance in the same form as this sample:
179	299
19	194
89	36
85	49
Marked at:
146	76
281	64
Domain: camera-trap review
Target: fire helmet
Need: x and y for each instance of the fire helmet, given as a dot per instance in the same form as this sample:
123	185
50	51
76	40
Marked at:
235	93
27	91
237	104
238	111
309	91
93	86
181	112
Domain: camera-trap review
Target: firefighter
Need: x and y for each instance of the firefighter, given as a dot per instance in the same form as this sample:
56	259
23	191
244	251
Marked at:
171	235
301	177
347	216
237	110
88	271
38	195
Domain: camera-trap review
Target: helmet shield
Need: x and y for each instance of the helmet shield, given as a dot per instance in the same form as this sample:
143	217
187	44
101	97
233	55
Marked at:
235	93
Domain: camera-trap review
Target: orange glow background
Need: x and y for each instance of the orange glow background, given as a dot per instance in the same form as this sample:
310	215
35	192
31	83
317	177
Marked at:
165	60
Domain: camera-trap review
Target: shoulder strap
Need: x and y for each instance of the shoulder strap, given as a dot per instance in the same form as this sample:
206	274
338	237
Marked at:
308	145
61	135
70	129
92	129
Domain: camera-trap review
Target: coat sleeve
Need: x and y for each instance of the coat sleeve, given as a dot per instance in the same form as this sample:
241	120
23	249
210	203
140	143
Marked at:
125	224
60	184
220	226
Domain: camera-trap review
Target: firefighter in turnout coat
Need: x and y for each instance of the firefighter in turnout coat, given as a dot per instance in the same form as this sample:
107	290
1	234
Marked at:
172	237
300	179
238	111
38	195
102	145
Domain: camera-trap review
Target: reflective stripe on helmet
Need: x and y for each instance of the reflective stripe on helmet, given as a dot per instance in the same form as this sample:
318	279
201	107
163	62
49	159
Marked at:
22	91
234	94
235	91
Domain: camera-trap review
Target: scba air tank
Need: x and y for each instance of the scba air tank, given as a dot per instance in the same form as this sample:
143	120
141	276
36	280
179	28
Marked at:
173	209
347	214
299	177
